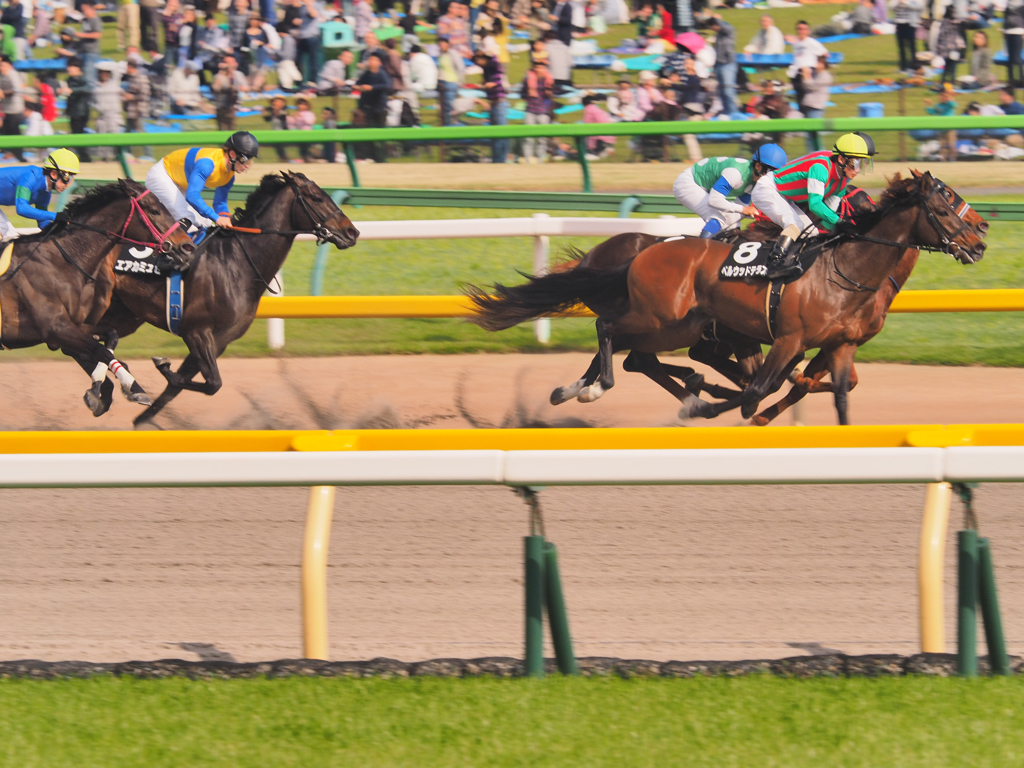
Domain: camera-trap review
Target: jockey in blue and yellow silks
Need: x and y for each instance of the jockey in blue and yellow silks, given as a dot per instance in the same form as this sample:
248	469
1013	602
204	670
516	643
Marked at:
179	179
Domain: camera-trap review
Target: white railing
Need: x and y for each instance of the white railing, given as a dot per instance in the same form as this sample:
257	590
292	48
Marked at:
540	227
322	470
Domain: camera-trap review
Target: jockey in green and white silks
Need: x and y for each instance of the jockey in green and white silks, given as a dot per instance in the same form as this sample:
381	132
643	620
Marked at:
718	188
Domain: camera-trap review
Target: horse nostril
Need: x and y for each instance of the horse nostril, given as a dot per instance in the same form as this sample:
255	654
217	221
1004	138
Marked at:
353	233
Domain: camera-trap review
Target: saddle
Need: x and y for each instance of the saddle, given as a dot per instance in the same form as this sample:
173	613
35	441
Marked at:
748	259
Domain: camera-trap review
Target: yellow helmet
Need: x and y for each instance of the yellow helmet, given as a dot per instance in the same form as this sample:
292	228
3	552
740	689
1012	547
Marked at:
63	160
854	146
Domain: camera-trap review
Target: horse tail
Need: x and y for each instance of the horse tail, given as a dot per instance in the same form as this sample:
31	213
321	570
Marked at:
556	292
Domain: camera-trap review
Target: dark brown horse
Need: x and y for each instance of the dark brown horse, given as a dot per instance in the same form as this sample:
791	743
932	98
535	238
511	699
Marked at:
229	274
62	279
664	298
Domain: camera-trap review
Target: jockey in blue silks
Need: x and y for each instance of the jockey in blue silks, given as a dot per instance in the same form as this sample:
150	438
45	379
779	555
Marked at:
28	189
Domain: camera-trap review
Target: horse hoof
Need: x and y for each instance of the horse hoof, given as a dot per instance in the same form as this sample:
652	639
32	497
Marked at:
694	383
759	420
137	394
160	362
559	396
95	404
695	408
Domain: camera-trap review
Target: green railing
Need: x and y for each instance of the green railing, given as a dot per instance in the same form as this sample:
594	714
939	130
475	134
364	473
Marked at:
577	131
622	203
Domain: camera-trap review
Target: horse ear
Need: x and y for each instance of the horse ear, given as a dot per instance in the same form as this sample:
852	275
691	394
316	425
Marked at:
915	173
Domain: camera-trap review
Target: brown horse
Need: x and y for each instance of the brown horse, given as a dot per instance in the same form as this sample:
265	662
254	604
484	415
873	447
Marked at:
62	279
229	274
664	298
716	347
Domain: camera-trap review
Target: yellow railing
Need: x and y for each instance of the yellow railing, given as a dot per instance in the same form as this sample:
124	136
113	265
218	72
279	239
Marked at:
887	436
982	300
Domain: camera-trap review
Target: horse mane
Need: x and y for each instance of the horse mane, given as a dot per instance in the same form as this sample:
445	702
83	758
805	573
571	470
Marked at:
90	202
269	186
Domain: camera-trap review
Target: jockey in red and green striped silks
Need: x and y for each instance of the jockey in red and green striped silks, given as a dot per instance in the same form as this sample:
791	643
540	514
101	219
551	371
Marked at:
813	184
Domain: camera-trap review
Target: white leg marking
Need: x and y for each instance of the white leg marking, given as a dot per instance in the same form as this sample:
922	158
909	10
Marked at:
99	373
591	393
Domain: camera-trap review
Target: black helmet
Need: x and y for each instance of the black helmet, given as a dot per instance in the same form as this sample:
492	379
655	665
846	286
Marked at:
867	140
244	143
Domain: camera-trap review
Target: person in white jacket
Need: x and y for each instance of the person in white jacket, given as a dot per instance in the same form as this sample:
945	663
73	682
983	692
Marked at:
768	40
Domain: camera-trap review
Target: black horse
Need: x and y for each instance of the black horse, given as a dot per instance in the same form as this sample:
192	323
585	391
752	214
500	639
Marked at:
62	279
228	275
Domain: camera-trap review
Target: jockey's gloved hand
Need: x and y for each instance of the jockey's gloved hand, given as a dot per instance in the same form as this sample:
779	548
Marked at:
845	227
61	218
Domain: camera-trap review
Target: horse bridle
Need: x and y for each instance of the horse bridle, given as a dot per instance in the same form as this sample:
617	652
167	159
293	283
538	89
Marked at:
320	230
161	239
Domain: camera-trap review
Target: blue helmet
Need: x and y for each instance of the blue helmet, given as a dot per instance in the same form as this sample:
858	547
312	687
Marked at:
771	155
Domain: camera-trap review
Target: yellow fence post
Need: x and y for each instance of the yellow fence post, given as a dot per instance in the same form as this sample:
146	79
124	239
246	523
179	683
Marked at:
930	566
314	572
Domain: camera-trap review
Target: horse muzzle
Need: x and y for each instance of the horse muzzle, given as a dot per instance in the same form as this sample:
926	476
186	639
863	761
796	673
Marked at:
345	238
970	255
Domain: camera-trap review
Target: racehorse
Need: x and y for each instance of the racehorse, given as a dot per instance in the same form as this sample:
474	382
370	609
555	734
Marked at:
62	278
663	299
227	277
715	349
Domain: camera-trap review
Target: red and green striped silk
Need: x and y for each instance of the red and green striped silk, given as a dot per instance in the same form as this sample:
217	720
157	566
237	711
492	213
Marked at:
809	181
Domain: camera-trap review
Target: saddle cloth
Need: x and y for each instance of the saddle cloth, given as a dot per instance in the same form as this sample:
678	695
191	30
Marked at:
141	263
750	260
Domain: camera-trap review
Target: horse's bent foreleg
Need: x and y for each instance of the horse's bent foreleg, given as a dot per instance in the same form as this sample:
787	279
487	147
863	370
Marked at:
564	394
606	378
804	384
186	371
785	353
648	364
204	351
96	360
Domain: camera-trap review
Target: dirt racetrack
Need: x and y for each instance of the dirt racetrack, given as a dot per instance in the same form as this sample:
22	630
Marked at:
417	573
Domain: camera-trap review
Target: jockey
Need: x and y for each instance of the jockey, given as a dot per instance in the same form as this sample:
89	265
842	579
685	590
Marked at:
28	189
808	182
179	179
705	187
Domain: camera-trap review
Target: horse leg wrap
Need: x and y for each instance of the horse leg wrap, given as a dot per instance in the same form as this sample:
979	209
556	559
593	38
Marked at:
123	376
99	373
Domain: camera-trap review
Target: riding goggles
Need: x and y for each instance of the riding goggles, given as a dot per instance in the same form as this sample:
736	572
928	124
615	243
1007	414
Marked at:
64	175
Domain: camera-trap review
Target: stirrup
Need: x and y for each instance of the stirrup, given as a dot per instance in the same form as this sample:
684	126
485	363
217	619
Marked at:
787	266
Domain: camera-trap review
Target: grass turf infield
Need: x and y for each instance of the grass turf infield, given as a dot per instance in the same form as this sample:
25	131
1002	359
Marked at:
760	720
437	267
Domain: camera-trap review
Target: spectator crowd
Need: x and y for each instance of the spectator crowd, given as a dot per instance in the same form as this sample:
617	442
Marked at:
211	60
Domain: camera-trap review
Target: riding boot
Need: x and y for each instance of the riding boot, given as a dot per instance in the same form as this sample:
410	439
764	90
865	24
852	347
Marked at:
782	263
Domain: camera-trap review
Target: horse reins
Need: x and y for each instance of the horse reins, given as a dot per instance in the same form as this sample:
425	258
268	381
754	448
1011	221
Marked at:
162	240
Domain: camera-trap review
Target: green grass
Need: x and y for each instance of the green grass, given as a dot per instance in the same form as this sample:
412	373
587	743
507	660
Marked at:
758	721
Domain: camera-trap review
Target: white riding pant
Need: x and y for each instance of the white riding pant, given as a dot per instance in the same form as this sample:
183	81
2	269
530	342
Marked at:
693	196
767	199
7	230
159	182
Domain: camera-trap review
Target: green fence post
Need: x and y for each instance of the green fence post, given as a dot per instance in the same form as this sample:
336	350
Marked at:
124	162
350	158
967	601
581	150
628	205
558	616
998	660
534	583
316	278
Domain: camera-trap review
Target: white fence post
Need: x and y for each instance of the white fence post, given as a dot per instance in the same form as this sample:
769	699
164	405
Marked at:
275	325
541	246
